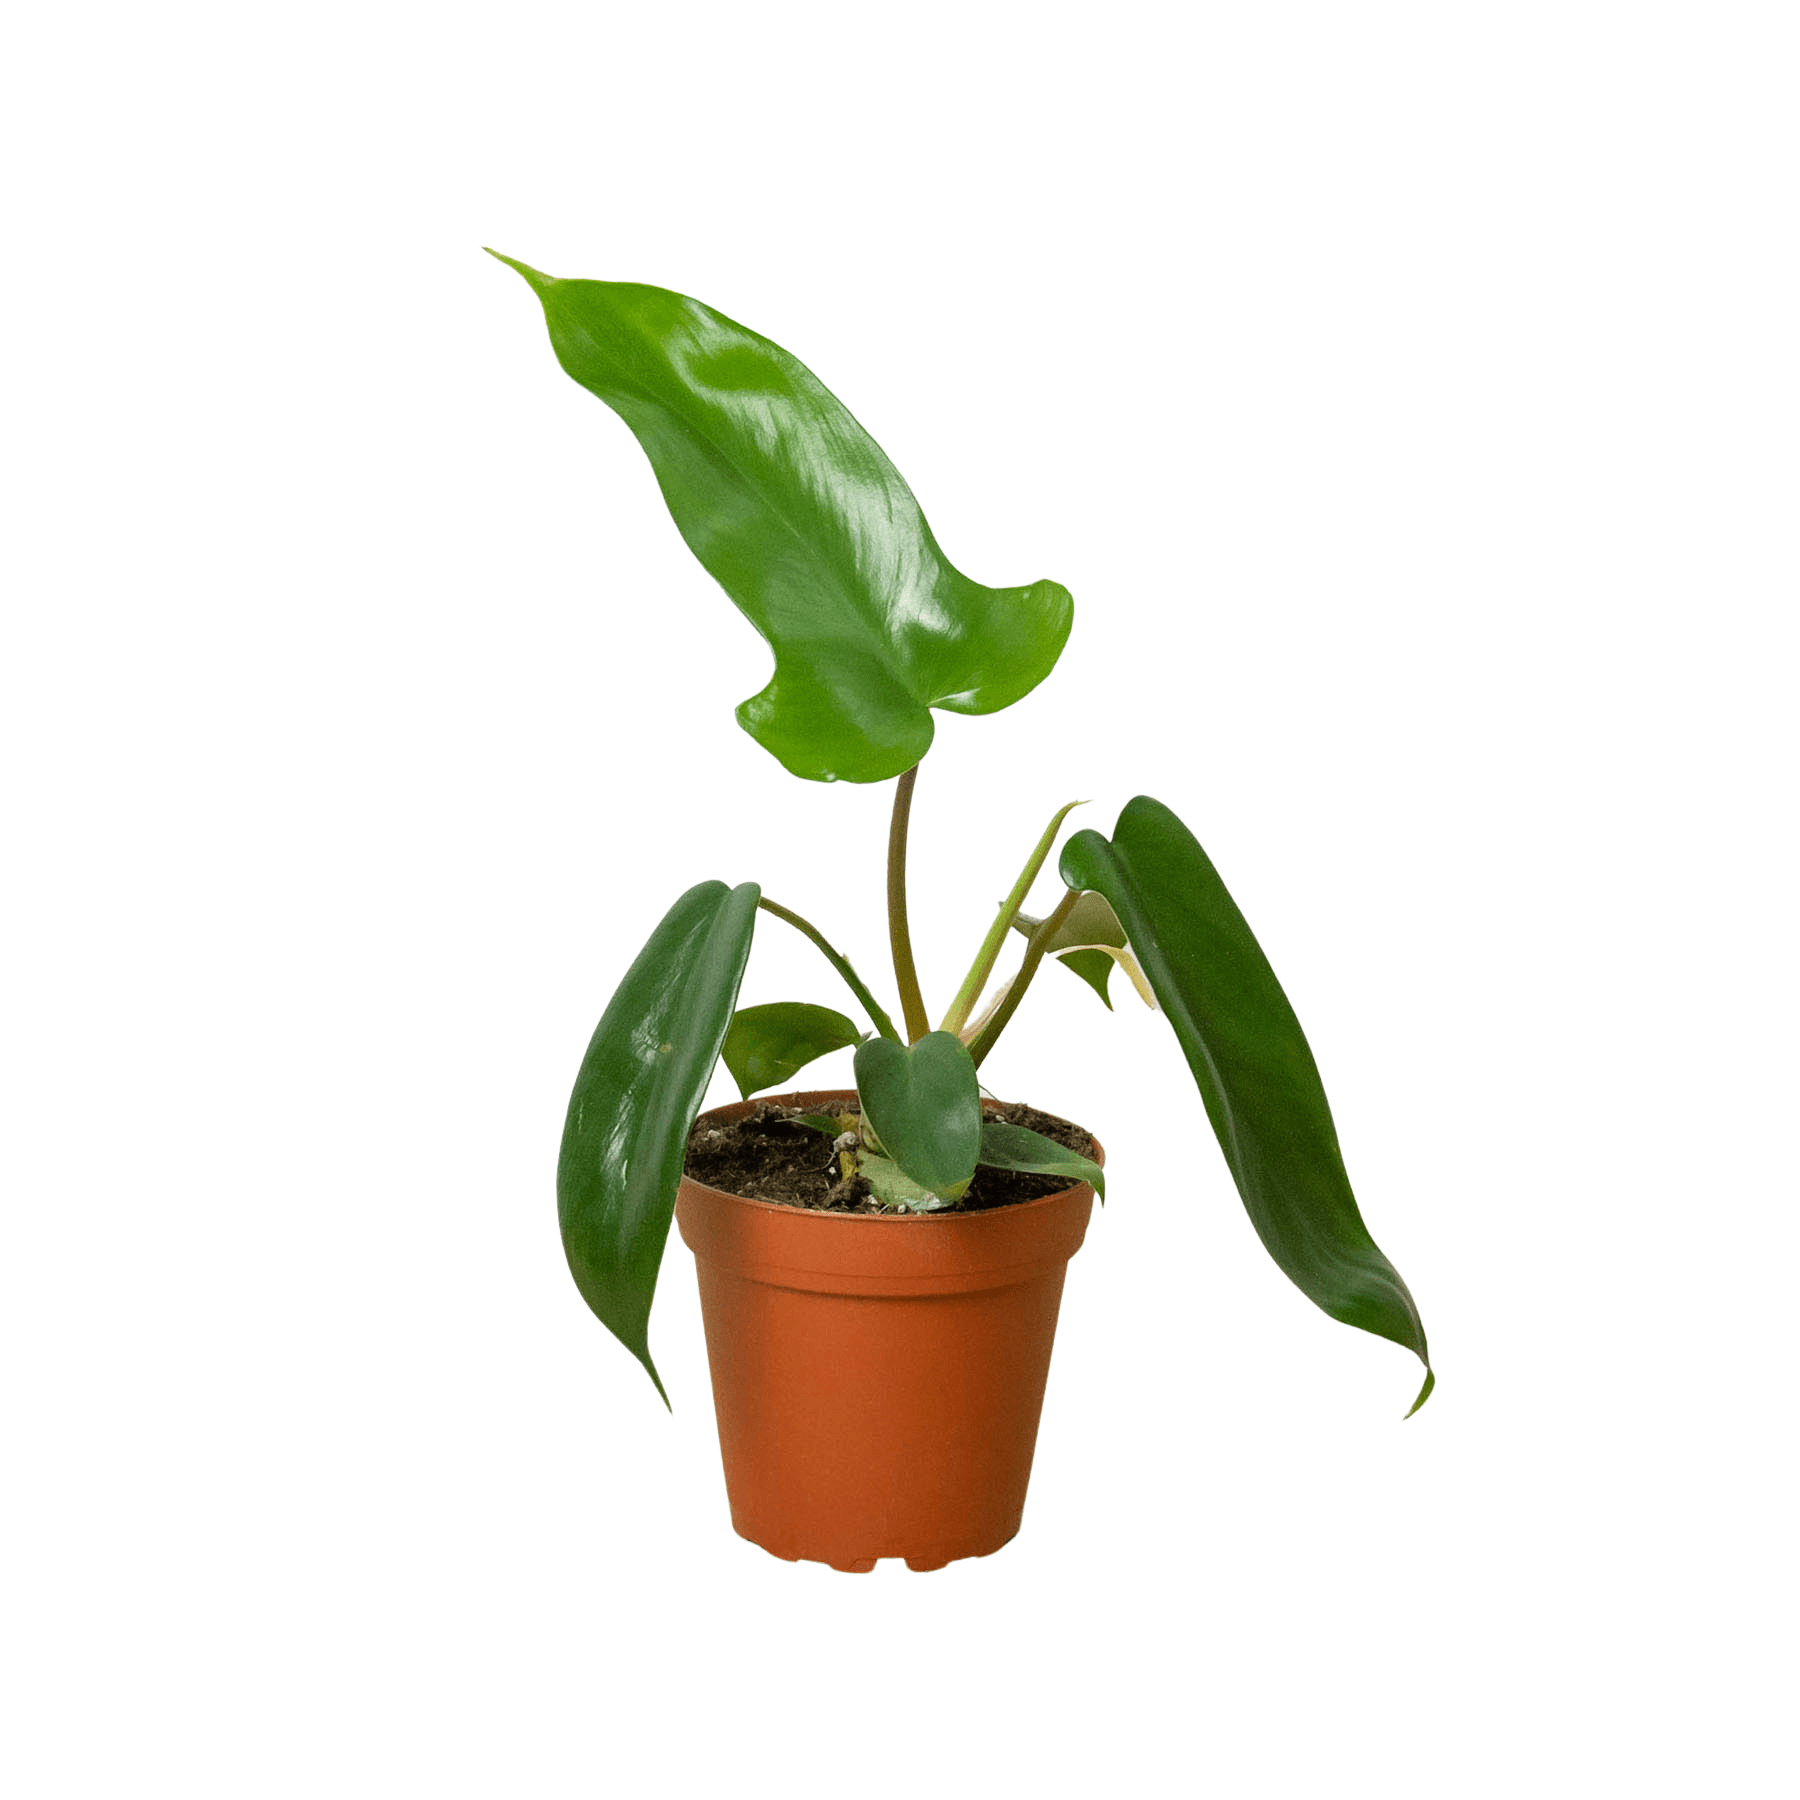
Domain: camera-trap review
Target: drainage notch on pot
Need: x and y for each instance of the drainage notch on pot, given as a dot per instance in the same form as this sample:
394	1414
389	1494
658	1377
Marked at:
878	1380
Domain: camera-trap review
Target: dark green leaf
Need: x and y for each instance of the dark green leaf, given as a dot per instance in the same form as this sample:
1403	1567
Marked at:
924	1105
794	510
636	1096
1005	1146
767	1044
1251	1061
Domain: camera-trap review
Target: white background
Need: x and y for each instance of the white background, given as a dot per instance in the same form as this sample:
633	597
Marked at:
1408	395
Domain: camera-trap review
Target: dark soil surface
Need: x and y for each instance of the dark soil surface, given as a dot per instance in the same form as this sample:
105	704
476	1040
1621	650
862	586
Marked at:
769	1157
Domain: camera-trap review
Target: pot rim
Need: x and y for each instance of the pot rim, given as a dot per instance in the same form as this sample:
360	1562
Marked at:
741	1108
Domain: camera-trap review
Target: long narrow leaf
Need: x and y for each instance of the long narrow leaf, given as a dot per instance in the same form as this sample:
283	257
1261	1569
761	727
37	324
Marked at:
1251	1061
1008	1146
636	1096
796	512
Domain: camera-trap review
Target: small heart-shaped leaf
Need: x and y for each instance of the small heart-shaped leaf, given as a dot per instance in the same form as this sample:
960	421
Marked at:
925	1106
767	1044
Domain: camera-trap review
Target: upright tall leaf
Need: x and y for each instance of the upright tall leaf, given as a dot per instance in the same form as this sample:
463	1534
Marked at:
1251	1061
638	1090
796	512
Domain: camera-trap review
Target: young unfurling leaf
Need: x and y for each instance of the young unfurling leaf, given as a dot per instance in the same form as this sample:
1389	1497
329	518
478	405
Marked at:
1089	943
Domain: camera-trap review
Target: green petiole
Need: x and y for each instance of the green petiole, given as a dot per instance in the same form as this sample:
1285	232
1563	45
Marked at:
976	979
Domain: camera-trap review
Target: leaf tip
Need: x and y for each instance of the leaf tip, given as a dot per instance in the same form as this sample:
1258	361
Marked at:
1424	1392
650	1370
534	278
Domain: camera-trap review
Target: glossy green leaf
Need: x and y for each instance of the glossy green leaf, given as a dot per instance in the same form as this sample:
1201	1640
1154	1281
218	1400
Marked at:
767	1044
1251	1061
793	508
1091	942
1008	1146
894	1187
636	1096
925	1106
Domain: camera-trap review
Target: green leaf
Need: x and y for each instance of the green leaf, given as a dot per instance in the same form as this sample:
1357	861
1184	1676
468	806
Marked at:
635	1098
793	508
767	1044
832	1127
1090	942
894	1187
925	1106
1005	1146
1252	1064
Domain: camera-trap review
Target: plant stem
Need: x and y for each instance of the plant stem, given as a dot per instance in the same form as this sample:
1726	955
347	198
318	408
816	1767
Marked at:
983	966
912	1003
838	961
1034	954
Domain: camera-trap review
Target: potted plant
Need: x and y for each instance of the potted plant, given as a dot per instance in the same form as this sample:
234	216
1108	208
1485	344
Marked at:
879	1356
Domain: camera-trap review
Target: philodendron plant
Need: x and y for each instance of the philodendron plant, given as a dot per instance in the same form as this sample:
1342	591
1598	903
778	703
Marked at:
794	510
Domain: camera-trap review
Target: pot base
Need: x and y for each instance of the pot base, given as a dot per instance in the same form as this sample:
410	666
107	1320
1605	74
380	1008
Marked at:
864	1565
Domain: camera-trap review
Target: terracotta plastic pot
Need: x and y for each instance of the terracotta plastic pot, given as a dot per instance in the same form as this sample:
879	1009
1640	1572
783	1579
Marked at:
878	1379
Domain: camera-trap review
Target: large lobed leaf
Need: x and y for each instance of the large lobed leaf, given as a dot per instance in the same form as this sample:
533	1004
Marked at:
636	1096
1251	1061
796	512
